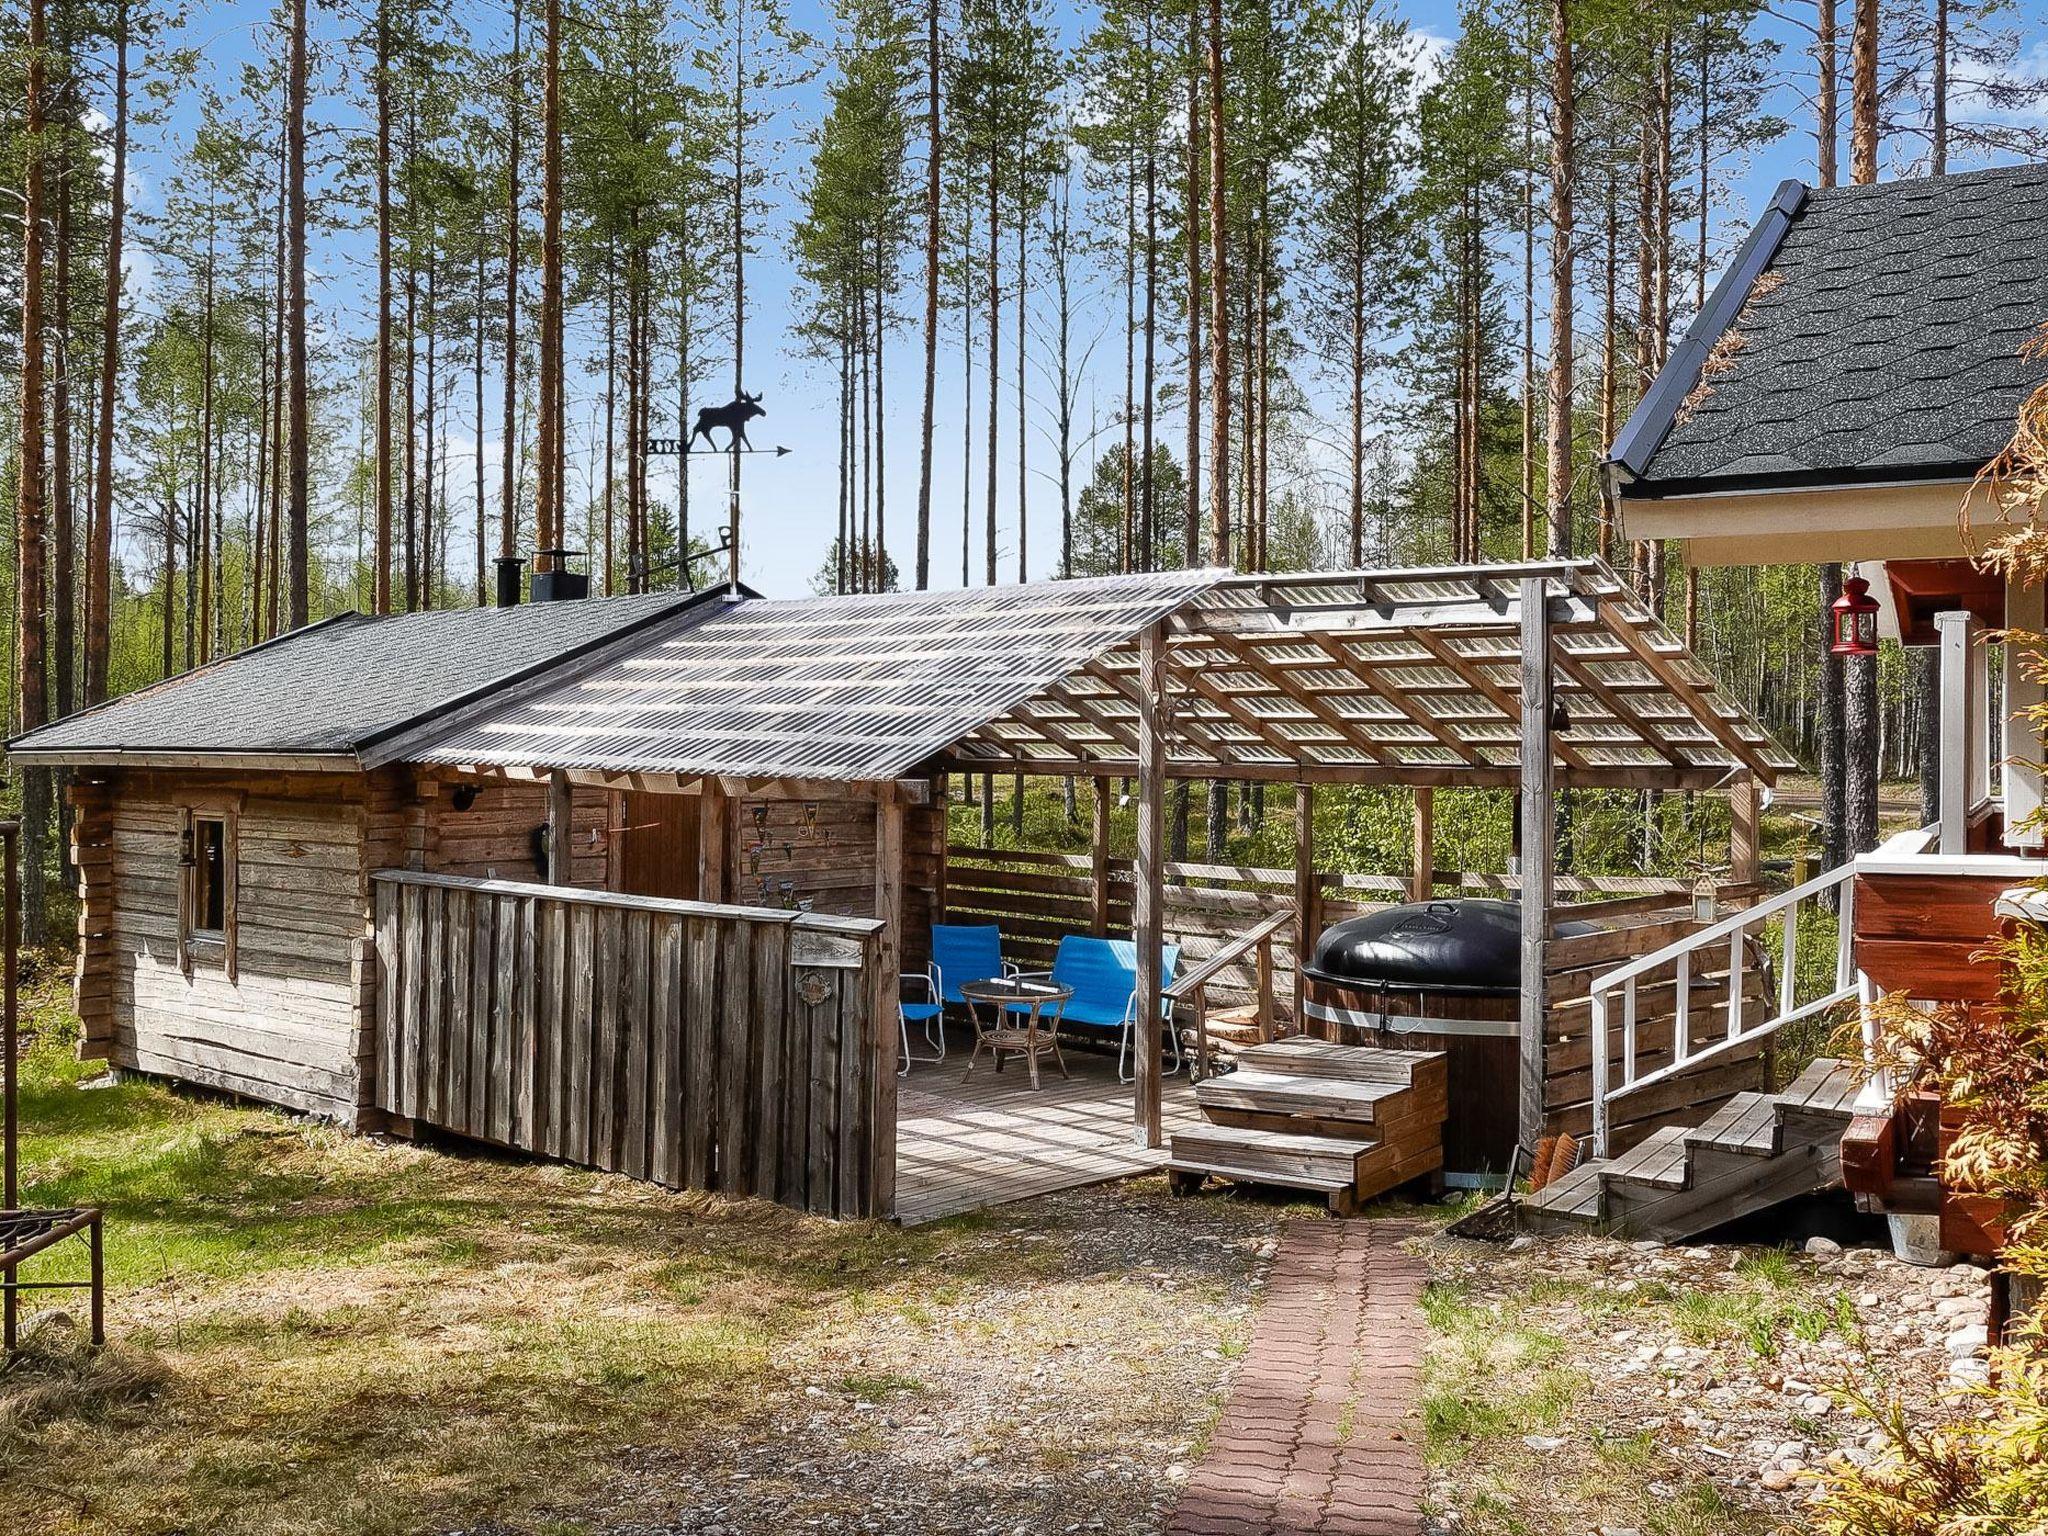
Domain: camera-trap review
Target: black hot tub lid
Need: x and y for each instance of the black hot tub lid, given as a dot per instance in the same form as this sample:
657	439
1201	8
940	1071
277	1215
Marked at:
1471	946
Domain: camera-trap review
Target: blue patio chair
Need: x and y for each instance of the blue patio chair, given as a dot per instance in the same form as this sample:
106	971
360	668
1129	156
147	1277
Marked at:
929	1015
964	952
1104	976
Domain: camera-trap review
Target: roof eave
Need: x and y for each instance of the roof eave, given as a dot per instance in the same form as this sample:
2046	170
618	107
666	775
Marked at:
185	758
1862	477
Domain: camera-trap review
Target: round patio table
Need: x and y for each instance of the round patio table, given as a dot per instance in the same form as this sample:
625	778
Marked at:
1023	1020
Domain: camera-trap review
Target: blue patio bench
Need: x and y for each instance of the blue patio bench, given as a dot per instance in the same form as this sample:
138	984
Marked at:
1104	976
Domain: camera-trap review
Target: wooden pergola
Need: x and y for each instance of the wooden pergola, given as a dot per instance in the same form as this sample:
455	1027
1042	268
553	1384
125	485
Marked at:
1421	678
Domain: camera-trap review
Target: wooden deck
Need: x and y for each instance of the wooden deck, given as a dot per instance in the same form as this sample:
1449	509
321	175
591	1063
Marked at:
990	1138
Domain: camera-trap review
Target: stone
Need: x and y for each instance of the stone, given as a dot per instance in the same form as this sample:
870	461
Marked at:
1543	1443
1823	1247
1777	1479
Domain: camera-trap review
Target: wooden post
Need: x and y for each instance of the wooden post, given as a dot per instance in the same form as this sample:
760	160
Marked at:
2026	608
1098	870
1422	880
1539	832
1961	717
1148	926
1308	889
714	850
561	832
888	986
1743	831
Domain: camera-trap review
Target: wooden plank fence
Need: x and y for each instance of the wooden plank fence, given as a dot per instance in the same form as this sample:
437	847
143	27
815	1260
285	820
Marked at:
696	1046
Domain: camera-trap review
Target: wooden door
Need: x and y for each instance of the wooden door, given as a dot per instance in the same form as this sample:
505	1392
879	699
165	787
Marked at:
658	846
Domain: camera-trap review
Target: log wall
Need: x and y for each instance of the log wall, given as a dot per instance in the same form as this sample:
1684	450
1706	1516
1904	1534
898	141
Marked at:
700	1047
786	851
287	1026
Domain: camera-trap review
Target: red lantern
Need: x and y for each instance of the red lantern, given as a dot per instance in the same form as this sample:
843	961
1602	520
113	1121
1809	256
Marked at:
1855	616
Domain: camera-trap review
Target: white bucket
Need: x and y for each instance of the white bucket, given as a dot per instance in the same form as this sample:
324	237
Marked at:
1916	1239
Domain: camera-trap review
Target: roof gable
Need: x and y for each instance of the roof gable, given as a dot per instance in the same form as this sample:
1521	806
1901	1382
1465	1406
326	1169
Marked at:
1865	334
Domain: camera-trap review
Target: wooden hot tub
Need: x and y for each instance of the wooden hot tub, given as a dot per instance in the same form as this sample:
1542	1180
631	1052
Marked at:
1435	976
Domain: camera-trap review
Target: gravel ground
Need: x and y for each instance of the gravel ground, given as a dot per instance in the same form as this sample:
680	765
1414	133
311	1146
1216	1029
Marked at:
1709	1381
1066	1387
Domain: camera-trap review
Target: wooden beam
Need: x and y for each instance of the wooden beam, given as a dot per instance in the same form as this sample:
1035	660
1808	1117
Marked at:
714	843
1098	867
1396	775
888	989
561	814
1749	754
1474	677
1422	878
1539	832
1148	924
1308	917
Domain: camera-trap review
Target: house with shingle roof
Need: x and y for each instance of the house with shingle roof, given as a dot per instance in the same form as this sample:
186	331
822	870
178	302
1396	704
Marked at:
1862	360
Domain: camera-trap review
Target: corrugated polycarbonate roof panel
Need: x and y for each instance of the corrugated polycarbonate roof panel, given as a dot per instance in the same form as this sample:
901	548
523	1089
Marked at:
845	688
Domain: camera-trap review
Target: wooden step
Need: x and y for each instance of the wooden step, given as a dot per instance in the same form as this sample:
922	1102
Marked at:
1317	1183
1661	1160
1746	1124
1275	1156
1281	1093
1305	1056
1827	1089
1569	1201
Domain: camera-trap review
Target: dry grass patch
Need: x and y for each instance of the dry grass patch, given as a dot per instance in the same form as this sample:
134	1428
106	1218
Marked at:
317	1333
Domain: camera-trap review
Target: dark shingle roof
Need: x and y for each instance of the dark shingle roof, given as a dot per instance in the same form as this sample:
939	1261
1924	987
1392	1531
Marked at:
1881	341
340	685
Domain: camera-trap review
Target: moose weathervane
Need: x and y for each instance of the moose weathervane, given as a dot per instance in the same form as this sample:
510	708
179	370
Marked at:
732	416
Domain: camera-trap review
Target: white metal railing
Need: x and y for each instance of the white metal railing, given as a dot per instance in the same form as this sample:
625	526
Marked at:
1736	935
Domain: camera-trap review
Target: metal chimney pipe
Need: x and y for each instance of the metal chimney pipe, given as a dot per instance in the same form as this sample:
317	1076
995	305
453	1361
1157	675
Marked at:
509	580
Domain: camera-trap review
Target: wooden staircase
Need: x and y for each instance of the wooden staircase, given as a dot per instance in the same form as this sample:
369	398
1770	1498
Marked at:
1348	1122
1757	1150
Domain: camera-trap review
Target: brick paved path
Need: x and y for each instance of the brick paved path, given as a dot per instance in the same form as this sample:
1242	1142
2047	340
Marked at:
1321	1435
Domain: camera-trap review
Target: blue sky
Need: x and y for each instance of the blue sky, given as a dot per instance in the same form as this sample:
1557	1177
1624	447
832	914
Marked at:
790	503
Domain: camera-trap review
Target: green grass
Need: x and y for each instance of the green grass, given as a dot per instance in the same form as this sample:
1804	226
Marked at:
1769	1301
1490	1374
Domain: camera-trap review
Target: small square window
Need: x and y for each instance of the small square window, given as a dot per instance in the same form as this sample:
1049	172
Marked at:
209	876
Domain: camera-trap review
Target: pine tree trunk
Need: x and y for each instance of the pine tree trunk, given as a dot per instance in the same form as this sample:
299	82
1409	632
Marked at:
1529	292
298	496
1828	730
553	378
100	537
31	691
1826	108
931	297
476	371
1558	449
1219	304
995	349
611	390
1861	723
1863	107
1191	530
62	543
382	559
1926	659
1148	502
508	498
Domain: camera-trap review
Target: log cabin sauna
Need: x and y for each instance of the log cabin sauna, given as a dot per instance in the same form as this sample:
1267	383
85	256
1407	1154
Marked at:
631	882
